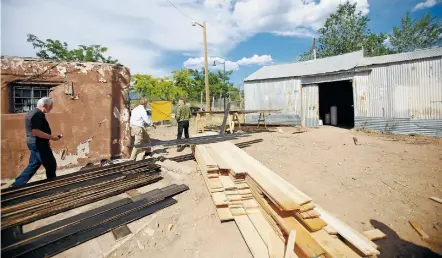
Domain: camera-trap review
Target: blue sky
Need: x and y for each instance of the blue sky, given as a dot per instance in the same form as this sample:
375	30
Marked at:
151	36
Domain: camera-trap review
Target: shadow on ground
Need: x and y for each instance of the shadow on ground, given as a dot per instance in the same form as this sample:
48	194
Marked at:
394	246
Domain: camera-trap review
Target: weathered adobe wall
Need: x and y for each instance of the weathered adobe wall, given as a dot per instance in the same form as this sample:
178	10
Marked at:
94	125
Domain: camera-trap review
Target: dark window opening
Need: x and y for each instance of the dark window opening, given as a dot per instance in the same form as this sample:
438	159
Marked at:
25	96
340	95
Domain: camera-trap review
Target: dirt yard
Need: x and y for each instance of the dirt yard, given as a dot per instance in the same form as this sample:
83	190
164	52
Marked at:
383	181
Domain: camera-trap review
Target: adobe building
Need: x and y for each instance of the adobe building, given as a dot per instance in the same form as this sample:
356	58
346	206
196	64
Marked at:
91	110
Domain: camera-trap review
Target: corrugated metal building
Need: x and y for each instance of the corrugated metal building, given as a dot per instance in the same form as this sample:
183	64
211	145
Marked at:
399	93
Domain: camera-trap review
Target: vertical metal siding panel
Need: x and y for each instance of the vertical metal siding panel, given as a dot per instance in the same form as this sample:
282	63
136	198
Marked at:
413	99
283	94
311	107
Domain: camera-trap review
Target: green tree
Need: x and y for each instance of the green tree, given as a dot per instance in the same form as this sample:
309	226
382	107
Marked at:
150	87
57	50
346	31
185	80
416	34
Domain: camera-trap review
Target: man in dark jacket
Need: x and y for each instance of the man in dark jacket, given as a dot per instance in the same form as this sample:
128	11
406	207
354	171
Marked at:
183	114
38	135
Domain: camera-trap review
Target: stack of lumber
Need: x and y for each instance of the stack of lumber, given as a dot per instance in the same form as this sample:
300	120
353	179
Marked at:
41	199
64	234
275	218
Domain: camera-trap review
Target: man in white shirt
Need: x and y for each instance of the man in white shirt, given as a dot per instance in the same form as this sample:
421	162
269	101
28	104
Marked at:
138	121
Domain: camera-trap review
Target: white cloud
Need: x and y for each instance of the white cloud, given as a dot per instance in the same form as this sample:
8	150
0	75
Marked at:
256	60
426	4
141	33
387	42
196	63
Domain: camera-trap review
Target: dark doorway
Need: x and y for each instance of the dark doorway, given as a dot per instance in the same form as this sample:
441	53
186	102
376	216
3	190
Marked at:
339	94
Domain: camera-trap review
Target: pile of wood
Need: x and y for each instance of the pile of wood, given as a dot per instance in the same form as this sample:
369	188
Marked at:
59	236
41	199
275	218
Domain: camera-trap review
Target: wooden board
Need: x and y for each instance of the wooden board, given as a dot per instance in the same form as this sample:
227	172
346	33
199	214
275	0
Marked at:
274	244
436	199
286	195
254	241
208	160
289	253
309	214
360	242
238	211
419	230
224	214
374	234
333	246
219	198
224	152
307	207
222	163
227	182
330	230
313	224
287	222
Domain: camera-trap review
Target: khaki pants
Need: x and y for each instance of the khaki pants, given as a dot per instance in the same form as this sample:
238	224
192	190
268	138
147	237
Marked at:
141	136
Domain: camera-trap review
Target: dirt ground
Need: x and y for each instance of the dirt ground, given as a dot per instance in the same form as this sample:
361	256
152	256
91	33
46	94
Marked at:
383	182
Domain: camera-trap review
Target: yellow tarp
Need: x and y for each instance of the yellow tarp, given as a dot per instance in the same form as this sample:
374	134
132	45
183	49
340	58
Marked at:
161	110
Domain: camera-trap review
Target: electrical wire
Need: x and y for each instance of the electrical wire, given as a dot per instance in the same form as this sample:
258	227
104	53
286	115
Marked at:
183	13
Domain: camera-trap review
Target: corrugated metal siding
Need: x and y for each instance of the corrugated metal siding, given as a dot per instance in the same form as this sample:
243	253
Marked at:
310	99
327	78
284	94
404	90
430	127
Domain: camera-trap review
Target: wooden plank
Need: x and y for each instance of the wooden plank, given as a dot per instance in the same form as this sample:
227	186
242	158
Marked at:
309	214
224	152
290	245
419	230
227	182
313	224
285	194
224	214
333	246
330	230
307	207
287	222
360	242
226	114
274	243
219	198
204	158
93	232
436	199
220	161
374	234
255	243
131	211
238	211
242	186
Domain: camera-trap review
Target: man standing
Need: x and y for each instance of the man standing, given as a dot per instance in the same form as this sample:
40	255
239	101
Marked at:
183	114
38	134
138	121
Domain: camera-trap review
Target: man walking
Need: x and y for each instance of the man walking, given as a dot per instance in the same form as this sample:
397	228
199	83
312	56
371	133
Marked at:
38	134
183	114
138	121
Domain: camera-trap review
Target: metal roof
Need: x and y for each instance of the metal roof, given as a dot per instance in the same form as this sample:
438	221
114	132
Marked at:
418	54
333	64
318	66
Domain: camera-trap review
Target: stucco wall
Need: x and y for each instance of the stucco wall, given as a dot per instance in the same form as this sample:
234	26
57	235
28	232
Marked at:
94	123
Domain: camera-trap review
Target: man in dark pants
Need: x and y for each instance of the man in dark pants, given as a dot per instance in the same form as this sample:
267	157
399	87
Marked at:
183	114
38	134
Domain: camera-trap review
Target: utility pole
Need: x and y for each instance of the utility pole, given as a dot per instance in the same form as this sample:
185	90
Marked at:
314	48
206	68
206	65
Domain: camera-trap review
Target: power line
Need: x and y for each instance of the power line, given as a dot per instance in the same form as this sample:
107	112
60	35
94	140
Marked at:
183	13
